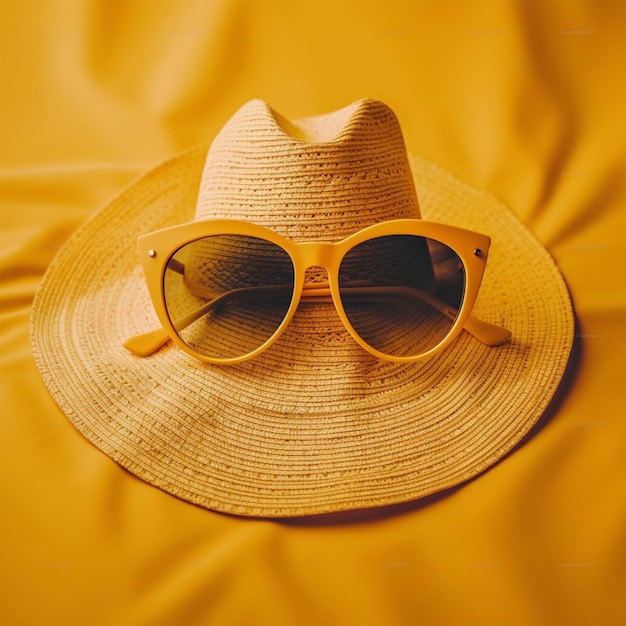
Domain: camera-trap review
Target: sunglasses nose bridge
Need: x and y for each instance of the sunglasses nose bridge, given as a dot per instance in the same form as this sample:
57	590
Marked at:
316	254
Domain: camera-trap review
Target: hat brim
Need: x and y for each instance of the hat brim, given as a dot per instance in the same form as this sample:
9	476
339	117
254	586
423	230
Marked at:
315	424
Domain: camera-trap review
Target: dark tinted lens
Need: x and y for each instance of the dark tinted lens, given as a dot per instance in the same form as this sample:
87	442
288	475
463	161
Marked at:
227	294
402	293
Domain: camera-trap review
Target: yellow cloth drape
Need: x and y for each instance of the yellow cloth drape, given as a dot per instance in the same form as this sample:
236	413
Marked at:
524	99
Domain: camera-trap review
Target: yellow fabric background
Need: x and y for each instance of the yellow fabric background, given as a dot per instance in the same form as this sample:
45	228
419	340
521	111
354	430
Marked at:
525	99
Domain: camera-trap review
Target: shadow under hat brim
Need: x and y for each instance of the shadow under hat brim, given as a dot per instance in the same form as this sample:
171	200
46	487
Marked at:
315	424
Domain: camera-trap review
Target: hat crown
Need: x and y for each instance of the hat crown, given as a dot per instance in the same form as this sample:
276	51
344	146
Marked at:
321	177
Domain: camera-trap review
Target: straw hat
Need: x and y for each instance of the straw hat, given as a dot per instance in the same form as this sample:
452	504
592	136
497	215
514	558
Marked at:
315	423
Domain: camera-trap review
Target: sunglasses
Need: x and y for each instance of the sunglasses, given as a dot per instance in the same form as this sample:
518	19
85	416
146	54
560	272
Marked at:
224	290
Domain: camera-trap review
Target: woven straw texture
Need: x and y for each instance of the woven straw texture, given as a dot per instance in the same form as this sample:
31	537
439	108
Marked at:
315	424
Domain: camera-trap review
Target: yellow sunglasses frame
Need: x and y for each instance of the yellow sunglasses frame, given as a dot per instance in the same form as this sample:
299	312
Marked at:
156	248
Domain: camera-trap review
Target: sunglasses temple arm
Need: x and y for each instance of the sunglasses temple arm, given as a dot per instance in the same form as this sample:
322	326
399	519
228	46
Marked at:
487	333
148	343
